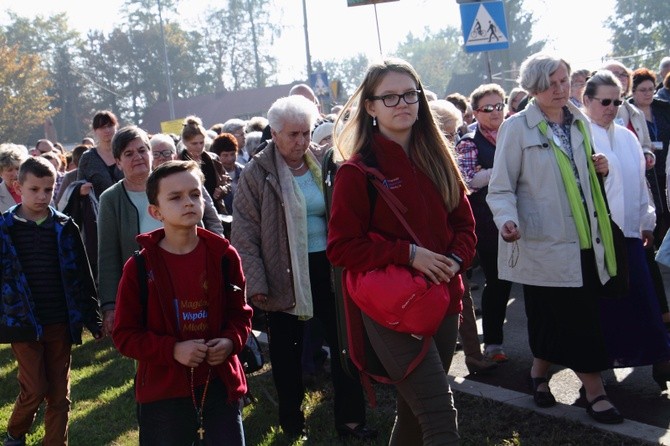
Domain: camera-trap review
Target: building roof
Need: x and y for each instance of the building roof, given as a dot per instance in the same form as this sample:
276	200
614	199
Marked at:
216	108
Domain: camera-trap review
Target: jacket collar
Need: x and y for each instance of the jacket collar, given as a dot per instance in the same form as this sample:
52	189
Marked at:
56	216
214	243
534	115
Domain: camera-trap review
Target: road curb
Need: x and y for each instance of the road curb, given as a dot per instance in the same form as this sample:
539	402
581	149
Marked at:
629	428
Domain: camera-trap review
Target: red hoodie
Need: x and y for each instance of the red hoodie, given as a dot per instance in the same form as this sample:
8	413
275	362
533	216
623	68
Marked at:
159	375
439	230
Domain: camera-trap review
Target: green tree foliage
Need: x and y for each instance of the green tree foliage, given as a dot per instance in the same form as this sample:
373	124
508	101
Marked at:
349	72
127	69
640	32
434	55
59	48
24	99
238	39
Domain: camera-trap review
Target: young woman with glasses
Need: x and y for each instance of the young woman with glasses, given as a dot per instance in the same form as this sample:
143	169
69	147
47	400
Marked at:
391	127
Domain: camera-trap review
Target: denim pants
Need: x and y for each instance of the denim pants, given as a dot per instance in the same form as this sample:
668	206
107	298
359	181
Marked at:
44	374
173	422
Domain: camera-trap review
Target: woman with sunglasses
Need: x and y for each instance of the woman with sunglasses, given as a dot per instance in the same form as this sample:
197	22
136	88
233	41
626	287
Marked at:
475	159
550	221
633	329
393	129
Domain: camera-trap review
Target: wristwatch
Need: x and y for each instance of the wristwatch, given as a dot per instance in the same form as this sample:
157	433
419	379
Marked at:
456	258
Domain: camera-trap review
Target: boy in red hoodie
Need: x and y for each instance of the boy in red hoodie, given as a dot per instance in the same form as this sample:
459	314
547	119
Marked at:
186	337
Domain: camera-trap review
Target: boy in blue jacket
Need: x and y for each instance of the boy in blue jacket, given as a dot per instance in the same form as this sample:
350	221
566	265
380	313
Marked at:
48	295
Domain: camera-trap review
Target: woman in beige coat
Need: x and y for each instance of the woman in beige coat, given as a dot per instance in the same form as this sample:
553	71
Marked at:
550	223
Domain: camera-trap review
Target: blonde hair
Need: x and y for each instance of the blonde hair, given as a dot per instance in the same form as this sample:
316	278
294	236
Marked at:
428	147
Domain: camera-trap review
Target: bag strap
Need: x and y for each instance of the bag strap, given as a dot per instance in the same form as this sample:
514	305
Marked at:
377	179
140	263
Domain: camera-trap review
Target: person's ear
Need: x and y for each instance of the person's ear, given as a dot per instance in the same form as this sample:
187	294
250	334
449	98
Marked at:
370	108
155	212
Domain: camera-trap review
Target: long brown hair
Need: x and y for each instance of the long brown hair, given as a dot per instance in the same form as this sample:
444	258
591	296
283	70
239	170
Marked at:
428	147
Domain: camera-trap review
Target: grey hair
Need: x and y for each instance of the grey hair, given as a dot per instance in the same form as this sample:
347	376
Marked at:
485	90
664	63
125	136
536	70
292	109
12	155
252	141
232	125
162	138
601	78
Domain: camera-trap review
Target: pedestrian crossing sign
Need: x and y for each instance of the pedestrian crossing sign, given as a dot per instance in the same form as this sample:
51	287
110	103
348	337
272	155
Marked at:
484	26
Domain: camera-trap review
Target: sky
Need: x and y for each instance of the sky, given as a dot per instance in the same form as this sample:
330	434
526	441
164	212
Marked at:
574	28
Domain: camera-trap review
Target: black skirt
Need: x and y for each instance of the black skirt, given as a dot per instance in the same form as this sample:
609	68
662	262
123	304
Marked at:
564	323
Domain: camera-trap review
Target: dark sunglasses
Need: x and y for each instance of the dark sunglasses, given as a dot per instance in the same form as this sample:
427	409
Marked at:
490	107
607	102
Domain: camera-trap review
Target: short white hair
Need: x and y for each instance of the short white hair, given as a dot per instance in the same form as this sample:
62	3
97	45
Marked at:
292	109
162	138
536	70
232	125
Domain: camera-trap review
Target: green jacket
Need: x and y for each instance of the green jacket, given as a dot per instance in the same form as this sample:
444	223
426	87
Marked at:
118	225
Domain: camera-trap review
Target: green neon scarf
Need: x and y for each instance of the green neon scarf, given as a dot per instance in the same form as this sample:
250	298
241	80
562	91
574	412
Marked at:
575	200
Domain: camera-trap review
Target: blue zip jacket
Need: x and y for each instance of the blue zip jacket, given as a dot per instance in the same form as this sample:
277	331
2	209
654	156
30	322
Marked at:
18	321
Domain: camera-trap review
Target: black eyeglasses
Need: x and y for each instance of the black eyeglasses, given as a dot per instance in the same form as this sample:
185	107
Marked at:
490	107
163	154
607	102
391	100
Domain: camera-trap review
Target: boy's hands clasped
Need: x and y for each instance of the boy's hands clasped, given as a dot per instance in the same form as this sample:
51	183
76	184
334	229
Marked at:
193	352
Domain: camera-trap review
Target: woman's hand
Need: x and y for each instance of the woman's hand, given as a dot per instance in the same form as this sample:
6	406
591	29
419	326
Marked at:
259	299
218	350
648	239
190	353
601	164
108	322
85	189
436	267
510	232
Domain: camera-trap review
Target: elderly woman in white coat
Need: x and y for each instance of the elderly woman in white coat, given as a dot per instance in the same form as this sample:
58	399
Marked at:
550	220
631	117
633	328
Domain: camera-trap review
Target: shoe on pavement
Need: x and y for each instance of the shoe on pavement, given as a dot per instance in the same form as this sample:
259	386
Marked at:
495	353
481	365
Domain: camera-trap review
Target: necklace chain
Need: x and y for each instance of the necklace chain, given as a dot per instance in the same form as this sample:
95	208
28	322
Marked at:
297	168
199	410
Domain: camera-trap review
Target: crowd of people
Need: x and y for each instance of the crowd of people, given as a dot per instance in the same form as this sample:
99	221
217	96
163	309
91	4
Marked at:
532	186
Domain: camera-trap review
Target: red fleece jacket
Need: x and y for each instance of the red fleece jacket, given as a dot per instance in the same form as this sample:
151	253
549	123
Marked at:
438	229
159	375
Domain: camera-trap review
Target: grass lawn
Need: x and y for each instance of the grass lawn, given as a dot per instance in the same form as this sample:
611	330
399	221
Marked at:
103	410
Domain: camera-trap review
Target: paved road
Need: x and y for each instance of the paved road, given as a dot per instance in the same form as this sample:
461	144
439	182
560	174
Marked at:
632	390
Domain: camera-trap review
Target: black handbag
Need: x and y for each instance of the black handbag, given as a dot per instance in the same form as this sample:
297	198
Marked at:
251	355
